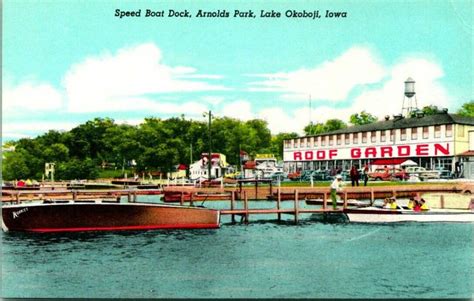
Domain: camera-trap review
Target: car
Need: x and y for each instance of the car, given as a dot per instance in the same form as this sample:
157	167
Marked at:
422	172
388	174
316	175
278	175
294	176
444	173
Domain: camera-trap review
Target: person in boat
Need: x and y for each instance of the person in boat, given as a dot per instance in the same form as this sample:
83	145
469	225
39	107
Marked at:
393	203
417	206
335	188
423	206
411	203
387	204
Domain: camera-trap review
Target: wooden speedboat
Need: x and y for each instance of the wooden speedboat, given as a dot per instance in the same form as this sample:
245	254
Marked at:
97	215
379	215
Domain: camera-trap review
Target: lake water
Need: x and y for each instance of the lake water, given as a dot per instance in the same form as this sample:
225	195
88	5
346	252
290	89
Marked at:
261	259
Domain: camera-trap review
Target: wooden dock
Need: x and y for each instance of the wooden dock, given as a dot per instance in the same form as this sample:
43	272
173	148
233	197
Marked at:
295	210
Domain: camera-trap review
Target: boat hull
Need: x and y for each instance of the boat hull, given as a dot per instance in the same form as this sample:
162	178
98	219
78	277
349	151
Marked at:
74	217
394	216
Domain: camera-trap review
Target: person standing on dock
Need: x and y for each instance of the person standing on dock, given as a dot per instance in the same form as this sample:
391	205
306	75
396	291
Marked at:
335	188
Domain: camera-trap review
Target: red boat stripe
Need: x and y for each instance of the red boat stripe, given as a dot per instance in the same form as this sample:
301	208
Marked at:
168	226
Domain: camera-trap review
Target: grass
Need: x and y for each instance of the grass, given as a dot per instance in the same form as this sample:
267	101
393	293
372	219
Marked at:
114	173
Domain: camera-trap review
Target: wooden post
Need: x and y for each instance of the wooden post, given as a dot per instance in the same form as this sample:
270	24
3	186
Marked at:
240	190
74	195
246	207
256	189
325	200
191	199
279	203
296	206
232	200
394	193
441	201
134	197
345	200
372	196
129	197
181	199
17	196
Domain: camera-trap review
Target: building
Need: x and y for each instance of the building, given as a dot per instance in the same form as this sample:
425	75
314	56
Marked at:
433	141
219	167
262	167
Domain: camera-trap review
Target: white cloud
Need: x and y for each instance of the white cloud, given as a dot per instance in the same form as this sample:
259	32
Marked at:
113	82
332	80
388	99
32	128
385	99
240	109
30	97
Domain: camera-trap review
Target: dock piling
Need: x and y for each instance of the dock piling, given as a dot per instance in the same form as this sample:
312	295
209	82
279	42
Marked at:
246	207
325	200
232	204
345	200
279	203
296	206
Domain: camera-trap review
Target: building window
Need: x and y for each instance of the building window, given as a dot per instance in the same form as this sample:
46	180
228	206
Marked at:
331	139
426	132
347	138
339	138
403	134
356	138
373	136
437	131
311	142
392	135
414	133
461	130
364	137
316	141
449	130
383	136
303	142
323	141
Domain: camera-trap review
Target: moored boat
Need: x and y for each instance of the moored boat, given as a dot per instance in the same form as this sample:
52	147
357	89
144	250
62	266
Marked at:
379	215
97	215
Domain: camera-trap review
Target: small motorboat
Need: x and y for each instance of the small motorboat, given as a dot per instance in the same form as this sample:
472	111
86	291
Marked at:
380	215
101	215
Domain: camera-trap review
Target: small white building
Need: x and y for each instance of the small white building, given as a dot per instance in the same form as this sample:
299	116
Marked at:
199	169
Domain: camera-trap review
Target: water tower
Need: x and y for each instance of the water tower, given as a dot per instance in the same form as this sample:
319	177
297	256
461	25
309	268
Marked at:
410	103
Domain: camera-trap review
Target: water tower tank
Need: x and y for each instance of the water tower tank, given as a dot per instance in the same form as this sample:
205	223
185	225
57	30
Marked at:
409	87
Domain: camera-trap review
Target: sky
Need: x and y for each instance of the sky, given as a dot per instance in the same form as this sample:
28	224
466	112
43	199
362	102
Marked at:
67	62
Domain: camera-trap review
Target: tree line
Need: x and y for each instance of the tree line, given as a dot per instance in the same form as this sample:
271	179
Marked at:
155	145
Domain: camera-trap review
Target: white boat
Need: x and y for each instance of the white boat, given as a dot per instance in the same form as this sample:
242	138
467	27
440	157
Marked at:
379	215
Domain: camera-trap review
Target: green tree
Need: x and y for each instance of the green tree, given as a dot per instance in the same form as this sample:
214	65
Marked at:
77	169
467	109
329	126
15	166
276	146
362	118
